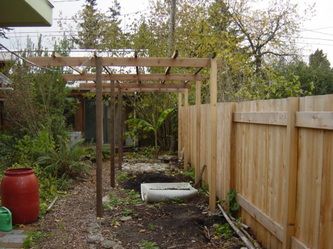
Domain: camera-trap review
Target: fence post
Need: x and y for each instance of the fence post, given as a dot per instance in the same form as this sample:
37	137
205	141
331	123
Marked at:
180	124
186	130
213	134
232	141
198	128
291	163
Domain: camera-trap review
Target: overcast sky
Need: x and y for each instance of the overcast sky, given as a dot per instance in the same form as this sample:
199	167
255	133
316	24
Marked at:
316	33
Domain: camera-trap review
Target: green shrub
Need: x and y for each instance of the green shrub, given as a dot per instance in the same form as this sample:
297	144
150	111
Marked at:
66	160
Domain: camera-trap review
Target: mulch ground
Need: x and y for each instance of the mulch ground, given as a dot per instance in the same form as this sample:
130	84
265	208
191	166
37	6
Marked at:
135	224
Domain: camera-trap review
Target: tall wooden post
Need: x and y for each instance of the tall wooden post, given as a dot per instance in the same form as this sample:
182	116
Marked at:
112	137
291	172
186	130
120	135
213	134
198	128
180	123
99	137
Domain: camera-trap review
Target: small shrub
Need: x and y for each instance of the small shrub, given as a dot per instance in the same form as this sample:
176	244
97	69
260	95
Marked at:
232	202
122	176
190	173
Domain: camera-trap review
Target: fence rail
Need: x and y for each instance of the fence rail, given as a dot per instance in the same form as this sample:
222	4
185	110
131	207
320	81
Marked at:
277	155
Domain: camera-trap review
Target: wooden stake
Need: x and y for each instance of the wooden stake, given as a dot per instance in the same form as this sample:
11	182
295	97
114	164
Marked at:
291	172
198	128
246	241
213	135
99	138
112	137
120	135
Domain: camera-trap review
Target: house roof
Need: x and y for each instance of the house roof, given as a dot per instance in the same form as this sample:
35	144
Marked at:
21	13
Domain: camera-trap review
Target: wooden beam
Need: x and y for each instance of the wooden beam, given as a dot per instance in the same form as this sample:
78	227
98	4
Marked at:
112	135
315	120
145	90
121	61
198	129
120	129
266	118
133	77
213	135
135	85
297	244
291	162
99	139
275	228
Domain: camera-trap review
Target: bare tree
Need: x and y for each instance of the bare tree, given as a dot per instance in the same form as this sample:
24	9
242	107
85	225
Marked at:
268	29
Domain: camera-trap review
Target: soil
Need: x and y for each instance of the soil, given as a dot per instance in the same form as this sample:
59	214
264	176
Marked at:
129	222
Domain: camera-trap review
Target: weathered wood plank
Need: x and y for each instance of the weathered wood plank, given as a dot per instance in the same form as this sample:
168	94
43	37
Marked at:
121	61
272	226
315	120
112	135
269	118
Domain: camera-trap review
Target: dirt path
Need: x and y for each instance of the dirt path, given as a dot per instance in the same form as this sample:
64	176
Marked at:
128	223
67	224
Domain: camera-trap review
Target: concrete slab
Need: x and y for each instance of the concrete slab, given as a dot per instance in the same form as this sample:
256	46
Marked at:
13	239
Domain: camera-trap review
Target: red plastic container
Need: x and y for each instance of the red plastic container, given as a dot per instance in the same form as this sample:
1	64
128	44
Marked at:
20	194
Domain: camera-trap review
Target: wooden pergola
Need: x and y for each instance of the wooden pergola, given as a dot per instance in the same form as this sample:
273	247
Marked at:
104	81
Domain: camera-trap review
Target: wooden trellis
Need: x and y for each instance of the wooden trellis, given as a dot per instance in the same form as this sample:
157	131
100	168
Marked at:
107	82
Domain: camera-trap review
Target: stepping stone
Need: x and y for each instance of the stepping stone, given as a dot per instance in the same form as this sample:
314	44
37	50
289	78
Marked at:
12	239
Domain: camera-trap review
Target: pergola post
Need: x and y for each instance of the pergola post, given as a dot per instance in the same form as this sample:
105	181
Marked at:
198	128
121	129
180	123
186	130
213	134
99	138
112	136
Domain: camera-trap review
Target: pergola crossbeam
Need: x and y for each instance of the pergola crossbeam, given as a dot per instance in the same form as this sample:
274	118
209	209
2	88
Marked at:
133	77
120	61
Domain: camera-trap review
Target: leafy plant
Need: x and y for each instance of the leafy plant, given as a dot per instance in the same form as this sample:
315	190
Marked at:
66	160
223	230
146	244
232	202
137	124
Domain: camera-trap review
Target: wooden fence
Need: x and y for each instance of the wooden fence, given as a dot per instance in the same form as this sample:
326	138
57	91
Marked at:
278	156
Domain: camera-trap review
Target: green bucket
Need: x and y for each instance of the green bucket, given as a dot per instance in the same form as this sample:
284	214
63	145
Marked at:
5	220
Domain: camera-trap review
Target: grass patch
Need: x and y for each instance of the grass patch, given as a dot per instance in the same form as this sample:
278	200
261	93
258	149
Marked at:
131	198
146	244
33	238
